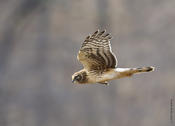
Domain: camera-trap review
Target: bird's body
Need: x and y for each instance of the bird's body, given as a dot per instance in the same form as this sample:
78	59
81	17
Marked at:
100	63
110	74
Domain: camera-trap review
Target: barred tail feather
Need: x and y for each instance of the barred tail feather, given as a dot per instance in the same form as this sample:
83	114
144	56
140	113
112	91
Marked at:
143	69
125	72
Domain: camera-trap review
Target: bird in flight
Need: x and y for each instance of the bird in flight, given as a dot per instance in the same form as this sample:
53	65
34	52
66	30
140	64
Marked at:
100	63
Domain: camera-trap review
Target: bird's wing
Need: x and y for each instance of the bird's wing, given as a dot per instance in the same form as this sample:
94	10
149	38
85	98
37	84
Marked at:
96	53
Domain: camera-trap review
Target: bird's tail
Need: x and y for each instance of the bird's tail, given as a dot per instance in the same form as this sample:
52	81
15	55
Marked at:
142	69
125	72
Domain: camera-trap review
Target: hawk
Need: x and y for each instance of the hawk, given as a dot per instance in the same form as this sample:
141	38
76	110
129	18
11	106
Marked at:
99	62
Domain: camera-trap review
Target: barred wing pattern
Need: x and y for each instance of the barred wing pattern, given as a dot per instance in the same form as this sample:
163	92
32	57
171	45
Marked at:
96	53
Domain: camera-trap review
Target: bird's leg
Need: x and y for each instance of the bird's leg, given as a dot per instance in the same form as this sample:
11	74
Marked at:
104	82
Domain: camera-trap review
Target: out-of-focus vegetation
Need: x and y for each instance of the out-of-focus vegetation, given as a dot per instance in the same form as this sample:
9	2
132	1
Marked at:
39	40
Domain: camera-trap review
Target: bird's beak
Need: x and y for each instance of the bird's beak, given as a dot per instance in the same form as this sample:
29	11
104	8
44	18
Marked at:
73	80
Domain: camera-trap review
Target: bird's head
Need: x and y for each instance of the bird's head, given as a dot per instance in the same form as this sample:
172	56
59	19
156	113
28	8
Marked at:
79	77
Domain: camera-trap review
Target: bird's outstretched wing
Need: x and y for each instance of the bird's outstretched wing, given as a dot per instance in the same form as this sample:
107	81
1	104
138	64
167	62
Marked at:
96	53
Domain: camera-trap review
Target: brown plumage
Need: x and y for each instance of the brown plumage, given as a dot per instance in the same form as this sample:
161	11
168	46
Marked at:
99	62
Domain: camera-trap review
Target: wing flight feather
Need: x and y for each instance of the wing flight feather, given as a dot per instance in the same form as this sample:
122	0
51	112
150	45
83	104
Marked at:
95	52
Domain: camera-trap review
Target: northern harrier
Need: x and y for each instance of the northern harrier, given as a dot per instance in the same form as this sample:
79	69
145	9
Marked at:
100	63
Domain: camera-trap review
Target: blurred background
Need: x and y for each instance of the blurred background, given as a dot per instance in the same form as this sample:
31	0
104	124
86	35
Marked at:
39	41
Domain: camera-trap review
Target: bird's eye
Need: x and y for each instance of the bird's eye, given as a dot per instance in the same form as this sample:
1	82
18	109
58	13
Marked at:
78	77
